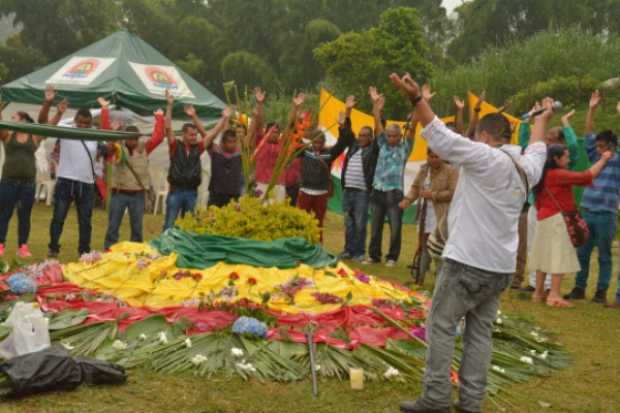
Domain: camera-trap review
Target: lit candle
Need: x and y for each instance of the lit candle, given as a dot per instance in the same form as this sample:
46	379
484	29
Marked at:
357	378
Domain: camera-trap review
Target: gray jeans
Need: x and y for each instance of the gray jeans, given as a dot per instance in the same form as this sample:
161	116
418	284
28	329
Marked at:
461	291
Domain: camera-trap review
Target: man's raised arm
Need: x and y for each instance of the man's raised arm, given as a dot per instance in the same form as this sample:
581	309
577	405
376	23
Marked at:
378	101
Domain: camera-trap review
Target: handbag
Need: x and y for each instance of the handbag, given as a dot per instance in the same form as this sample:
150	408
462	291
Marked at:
577	227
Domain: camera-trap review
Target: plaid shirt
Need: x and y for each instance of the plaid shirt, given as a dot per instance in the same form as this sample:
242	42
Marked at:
604	194
390	171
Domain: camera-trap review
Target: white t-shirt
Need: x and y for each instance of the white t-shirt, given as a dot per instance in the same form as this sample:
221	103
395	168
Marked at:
489	197
74	162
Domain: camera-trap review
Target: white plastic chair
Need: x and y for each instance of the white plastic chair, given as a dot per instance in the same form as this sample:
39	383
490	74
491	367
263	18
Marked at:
45	184
161	188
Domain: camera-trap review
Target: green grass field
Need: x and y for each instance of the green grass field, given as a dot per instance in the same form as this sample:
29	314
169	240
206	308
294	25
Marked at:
589	332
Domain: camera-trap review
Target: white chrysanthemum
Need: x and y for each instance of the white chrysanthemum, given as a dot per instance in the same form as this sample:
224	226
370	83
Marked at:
246	367
533	353
498	369
119	345
142	337
236	352
317	367
544	355
198	359
163	339
499	321
526	360
68	346
391	372
188	342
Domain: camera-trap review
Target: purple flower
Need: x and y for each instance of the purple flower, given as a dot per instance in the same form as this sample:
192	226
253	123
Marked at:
363	278
419	332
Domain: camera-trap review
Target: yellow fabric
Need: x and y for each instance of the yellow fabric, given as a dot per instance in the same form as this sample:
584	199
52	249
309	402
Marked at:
487	108
118	274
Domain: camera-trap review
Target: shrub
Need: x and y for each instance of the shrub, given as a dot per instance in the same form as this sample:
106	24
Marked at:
250	218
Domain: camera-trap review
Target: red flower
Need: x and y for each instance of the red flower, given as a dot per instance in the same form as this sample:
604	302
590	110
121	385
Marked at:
342	273
252	281
233	276
197	276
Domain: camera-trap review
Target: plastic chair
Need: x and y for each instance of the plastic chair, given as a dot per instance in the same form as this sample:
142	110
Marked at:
161	188
45	184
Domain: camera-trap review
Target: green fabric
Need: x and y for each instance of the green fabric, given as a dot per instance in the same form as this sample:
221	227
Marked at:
68	133
203	251
20	161
119	82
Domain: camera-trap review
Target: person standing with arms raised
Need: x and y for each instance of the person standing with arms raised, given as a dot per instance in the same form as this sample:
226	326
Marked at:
479	258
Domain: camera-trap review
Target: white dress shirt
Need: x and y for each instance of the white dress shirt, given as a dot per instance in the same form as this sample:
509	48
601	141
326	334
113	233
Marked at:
75	162
489	197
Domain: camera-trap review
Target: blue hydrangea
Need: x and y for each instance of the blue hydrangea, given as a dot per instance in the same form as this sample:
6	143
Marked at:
19	283
249	326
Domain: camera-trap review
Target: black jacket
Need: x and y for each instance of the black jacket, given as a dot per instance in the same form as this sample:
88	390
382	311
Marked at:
185	168
316	168
370	154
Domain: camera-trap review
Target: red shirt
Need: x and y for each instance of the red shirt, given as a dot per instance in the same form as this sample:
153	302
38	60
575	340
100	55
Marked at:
266	161
292	175
560	182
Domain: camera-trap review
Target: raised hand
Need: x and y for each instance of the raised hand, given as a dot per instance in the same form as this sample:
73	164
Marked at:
299	100
169	97
103	102
374	94
427	94
259	95
50	93
350	102
547	104
406	85
379	104
116	124
63	105
595	99
460	104
227	112
566	117
607	155
189	110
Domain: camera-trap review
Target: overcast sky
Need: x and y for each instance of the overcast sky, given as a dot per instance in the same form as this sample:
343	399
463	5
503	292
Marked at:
451	4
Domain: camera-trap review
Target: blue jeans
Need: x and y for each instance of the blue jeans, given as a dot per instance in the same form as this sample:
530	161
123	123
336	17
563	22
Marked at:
386	204
12	194
118	204
602	226
67	191
179	202
355	209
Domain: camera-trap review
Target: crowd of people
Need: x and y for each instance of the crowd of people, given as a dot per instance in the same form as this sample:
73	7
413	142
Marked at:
484	204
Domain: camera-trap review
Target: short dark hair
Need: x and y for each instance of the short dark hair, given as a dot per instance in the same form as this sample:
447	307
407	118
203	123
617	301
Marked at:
83	113
229	134
187	126
369	129
608	137
496	125
25	117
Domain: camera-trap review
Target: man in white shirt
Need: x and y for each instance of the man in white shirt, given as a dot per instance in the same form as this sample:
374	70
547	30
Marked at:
480	254
75	181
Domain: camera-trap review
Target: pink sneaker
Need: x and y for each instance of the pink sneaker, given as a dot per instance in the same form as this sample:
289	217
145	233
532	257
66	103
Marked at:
24	252
1	250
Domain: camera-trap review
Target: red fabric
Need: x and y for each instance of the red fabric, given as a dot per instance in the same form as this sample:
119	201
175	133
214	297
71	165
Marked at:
560	183
314	204
266	161
157	136
104	119
292	176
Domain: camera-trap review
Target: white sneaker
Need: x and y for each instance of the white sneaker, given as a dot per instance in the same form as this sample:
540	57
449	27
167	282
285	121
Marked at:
390	263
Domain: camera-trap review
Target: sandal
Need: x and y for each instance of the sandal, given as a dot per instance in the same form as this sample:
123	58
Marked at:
559	303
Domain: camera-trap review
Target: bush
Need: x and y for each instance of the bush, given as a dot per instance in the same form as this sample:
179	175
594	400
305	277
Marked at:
250	218
248	71
508	71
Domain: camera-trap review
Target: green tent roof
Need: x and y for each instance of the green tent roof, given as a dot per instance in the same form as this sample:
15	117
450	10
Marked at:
122	68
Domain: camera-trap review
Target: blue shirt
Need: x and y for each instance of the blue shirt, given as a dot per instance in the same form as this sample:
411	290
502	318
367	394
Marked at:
604	194
390	171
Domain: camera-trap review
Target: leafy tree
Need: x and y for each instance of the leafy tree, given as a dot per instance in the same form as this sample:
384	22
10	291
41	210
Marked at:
355	61
248	71
59	27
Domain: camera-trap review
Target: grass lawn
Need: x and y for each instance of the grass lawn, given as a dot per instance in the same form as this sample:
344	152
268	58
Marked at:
589	332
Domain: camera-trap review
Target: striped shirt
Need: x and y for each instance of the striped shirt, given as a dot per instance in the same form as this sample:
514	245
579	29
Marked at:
354	177
604	194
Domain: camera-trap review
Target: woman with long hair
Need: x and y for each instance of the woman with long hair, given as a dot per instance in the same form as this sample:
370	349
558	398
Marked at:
553	252
17	186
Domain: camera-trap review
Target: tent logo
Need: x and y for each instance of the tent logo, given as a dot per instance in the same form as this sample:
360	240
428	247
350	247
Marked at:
161	79
82	70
